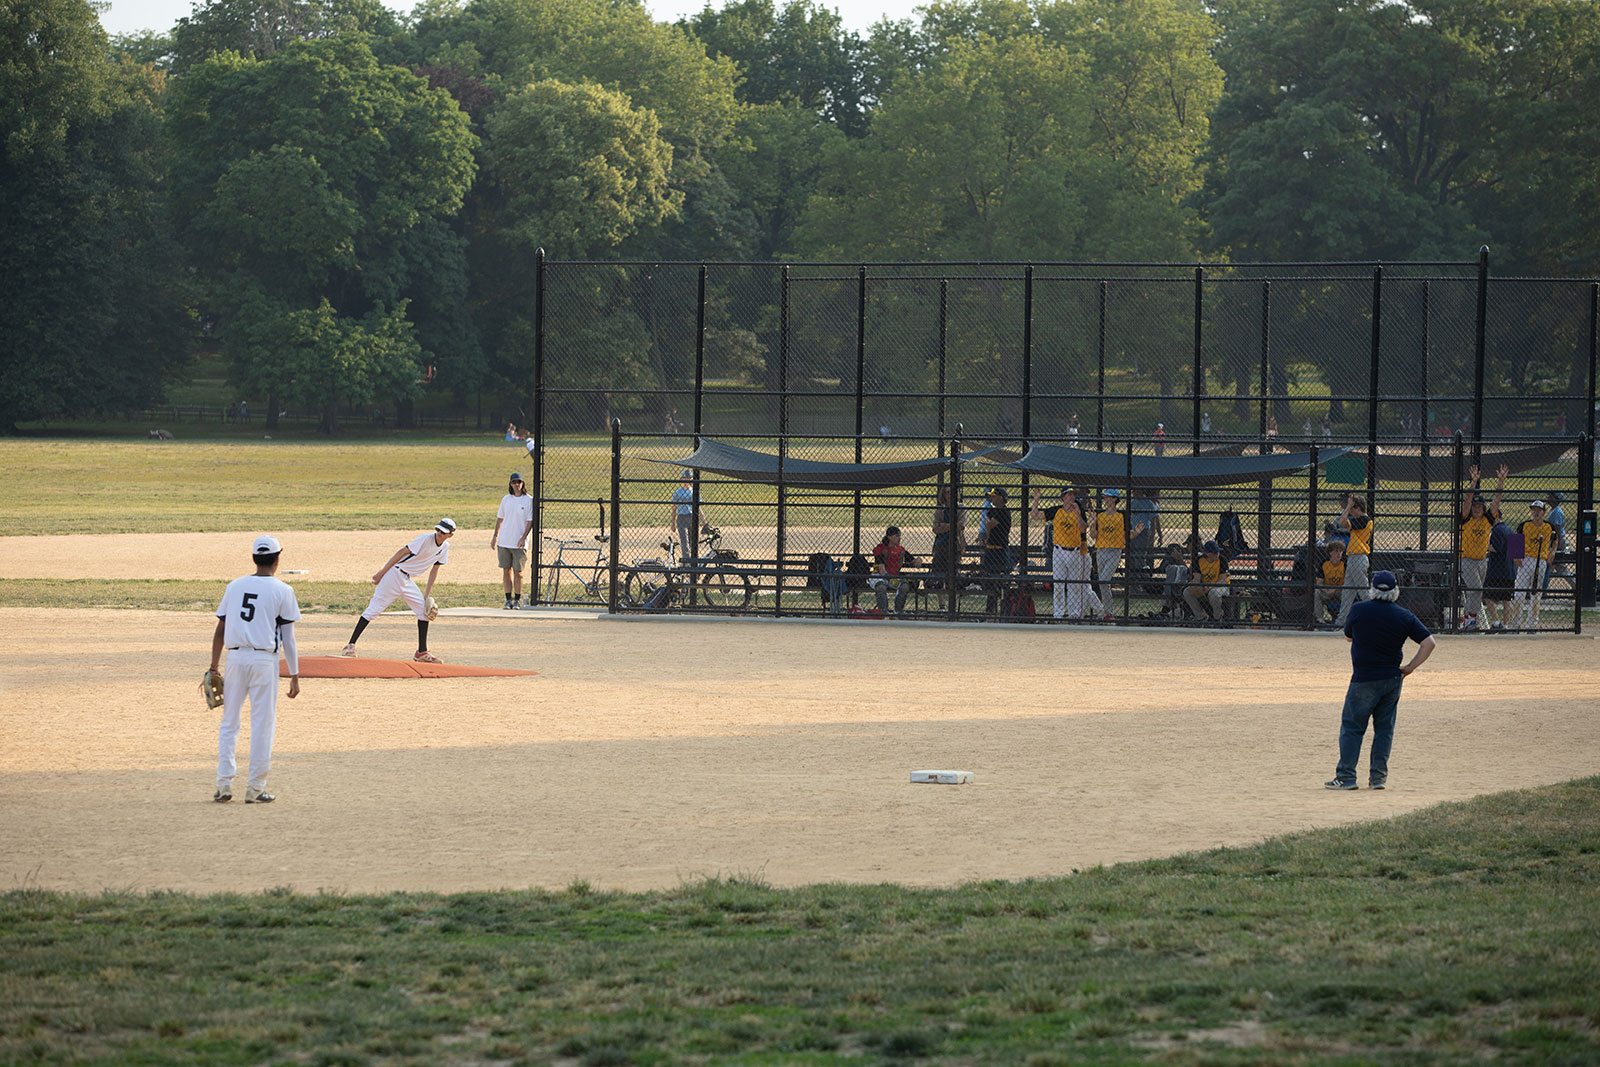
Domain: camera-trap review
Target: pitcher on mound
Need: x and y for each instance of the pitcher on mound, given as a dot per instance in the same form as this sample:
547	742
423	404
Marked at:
395	580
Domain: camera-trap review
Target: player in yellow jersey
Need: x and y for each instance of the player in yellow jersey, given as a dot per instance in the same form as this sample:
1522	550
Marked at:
1358	553
1067	539
1110	538
1477	522
1538	543
1208	582
1330	584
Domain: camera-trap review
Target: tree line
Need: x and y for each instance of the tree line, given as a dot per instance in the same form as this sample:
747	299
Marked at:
346	202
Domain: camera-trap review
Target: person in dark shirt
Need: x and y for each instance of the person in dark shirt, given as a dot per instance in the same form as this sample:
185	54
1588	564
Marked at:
996	547
1378	629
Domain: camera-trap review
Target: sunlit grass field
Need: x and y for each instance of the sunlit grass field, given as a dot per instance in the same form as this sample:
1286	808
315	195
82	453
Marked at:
1468	932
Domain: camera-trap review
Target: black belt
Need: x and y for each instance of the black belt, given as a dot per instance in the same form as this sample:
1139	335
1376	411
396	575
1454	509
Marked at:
252	648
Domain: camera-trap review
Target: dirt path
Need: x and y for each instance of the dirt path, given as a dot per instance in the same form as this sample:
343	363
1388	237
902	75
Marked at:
650	751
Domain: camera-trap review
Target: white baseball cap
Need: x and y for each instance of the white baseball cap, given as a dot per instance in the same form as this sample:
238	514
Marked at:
265	545
446	526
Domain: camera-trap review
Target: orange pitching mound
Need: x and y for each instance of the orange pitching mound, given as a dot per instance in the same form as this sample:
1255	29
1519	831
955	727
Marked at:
357	667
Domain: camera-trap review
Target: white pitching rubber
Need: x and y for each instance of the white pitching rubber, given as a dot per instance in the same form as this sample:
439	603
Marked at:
942	777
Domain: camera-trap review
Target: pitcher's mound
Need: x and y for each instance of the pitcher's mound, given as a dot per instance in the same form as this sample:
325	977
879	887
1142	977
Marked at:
357	667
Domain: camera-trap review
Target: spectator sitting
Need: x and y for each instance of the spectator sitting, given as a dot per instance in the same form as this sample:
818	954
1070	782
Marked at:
1209	581
887	560
1330	583
1176	568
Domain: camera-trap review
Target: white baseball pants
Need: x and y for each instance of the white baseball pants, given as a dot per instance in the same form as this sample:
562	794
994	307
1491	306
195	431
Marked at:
396	585
251	673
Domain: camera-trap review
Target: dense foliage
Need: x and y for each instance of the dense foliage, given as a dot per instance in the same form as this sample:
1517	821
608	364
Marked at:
348	202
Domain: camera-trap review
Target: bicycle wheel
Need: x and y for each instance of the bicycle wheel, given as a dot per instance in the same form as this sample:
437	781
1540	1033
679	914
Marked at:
599	585
723	589
639	586
552	582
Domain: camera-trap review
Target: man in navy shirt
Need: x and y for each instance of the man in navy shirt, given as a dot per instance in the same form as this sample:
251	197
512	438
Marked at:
1378	629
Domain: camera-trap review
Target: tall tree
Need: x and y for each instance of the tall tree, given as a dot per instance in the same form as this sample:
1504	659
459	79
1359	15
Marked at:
304	180
95	317
261	28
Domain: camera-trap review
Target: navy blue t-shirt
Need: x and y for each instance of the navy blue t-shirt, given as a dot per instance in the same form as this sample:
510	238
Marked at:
1378	630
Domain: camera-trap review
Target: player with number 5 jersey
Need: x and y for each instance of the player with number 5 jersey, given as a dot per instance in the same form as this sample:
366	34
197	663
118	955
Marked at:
254	622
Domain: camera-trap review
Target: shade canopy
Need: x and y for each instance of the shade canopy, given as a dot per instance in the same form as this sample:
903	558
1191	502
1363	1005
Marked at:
748	465
1088	467
1439	467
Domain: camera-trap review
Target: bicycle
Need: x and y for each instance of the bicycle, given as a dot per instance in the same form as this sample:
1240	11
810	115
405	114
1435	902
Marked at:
595	579
709	579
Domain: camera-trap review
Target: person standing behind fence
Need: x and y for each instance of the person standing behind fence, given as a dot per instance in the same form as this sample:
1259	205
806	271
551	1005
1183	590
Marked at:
1353	520
1477	523
1558	523
1110	538
996	548
1143	511
683	516
1378	630
1499	579
1066	535
949	540
511	526
1161	439
1538	538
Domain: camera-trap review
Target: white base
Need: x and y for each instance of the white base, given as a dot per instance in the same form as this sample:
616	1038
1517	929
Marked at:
942	777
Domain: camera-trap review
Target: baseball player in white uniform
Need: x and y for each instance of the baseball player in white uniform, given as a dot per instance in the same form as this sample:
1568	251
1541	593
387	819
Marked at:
511	526
254	621
395	581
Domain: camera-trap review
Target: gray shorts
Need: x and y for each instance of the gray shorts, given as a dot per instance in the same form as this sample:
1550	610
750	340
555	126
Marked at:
512	558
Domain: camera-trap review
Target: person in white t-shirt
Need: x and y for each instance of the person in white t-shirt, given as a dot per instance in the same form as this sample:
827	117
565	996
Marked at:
395	580
511	526
254	621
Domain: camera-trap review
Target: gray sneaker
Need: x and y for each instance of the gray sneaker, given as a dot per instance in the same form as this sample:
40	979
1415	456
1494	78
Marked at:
1337	784
222	796
261	796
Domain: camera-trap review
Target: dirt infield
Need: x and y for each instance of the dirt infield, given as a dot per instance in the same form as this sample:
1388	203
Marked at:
651	751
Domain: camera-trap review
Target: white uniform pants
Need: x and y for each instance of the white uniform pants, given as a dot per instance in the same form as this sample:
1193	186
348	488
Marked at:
396	585
1530	586
1105	561
1472	575
253	674
1060	567
1355	583
1080	594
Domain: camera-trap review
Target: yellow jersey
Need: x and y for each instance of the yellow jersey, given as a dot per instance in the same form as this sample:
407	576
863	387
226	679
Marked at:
1360	536
1538	539
1475	537
1211	571
1109	531
1332	573
1066	533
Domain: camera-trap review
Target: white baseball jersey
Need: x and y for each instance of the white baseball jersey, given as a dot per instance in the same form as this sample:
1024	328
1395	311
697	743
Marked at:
252	610
516	515
425	552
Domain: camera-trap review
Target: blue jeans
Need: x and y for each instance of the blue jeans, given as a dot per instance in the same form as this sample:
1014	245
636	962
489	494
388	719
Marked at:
1362	701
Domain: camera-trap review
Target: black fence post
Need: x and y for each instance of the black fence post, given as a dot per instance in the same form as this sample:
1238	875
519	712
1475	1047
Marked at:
1197	387
953	516
1100	349
1128	554
1024	548
699	367
1264	490
616	512
944	339
1480	353
1422	427
536	453
783	434
1584	559
861	384
1313	615
1372	382
1457	469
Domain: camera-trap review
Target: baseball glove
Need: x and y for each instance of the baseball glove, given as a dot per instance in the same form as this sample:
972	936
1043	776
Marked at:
211	688
433	609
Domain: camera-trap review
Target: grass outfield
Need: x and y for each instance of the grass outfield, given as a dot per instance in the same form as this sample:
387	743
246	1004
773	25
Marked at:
60	486
1464	932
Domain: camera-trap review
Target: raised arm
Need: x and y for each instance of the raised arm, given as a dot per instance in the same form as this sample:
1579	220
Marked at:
1472	490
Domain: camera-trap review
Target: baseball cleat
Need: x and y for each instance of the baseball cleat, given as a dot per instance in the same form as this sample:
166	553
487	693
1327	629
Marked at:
222	796
258	796
348	650
426	657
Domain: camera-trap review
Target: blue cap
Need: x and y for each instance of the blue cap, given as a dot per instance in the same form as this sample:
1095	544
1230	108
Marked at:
1384	581
1210	546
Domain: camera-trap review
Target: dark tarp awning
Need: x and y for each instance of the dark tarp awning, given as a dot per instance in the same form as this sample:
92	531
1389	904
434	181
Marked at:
748	465
1407	464
1097	470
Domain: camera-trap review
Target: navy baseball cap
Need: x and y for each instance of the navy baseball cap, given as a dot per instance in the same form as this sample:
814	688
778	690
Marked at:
516	477
1384	581
1210	546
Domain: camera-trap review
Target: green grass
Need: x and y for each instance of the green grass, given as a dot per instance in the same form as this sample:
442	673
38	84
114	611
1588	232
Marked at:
177	594
1465	932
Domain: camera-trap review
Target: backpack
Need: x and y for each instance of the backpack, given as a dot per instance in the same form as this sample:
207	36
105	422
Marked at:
1016	603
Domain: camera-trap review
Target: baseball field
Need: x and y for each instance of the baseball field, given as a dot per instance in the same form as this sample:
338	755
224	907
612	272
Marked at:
695	841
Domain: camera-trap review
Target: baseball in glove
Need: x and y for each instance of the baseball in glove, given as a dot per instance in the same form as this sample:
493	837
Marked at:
211	688
433	609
